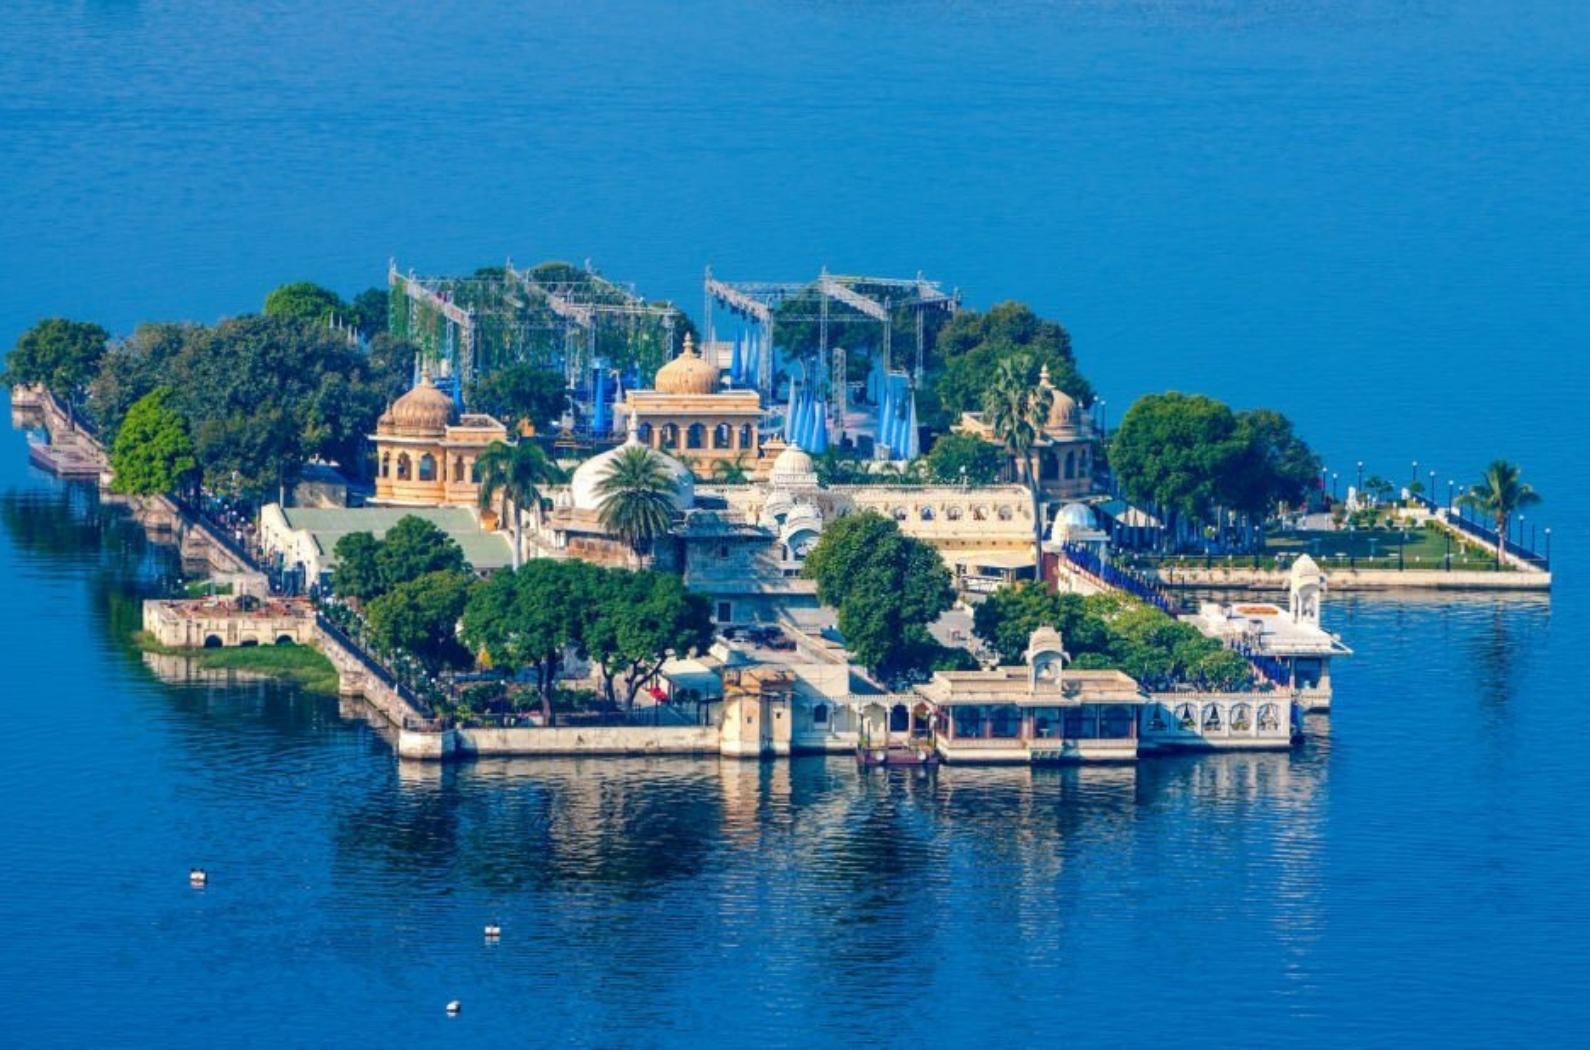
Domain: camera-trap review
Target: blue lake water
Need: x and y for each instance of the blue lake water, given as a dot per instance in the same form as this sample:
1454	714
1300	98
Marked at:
1372	216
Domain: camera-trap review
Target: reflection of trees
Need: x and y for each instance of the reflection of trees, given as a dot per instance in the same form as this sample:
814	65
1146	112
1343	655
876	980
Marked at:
61	523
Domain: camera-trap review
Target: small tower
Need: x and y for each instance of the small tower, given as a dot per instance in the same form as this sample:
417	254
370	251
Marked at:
1045	658
1307	584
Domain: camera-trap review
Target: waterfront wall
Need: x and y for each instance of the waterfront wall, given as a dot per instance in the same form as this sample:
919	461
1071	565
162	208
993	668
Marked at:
588	740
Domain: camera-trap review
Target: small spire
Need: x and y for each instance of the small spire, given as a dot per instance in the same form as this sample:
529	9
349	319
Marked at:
1043	376
690	347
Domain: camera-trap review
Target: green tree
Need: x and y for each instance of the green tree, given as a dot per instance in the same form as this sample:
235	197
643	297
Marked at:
1016	410
637	497
153	453
515	473
955	458
1006	619
530	617
305	301
640	619
369	310
1177	453
358	574
968	351
1501	493
61	354
413	547
520	391
731	472
1274	467
887	588
421	616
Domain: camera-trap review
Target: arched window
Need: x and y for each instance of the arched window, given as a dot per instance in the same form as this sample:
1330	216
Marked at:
745	436
643	432
1048	466
670	435
899	719
427	467
1267	717
926	513
458	468
1071	465
1185	717
820	715
900	514
953	513
979	513
1005	514
405	468
474	471
386	464
1241	718
721	436
696	436
1211	718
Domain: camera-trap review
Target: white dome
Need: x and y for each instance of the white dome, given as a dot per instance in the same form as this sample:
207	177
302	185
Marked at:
792	468
588	475
1075	516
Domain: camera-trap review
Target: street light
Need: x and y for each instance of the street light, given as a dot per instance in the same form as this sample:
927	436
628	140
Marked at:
1548	546
1360	479
1334	487
1414	478
1449	495
1432	489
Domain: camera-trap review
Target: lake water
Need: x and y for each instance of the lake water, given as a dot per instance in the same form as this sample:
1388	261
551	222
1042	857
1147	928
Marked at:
1372	216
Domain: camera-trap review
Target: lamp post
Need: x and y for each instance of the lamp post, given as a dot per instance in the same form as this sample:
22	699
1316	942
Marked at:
1413	479
1520	530
1449	495
1334	486
1431	490
1548	546
1360	479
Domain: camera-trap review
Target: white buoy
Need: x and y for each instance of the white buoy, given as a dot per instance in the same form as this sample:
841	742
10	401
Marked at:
493	931
197	877
454	1007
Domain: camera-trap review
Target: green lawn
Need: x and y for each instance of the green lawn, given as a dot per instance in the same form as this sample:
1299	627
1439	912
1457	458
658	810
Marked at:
1364	549
296	663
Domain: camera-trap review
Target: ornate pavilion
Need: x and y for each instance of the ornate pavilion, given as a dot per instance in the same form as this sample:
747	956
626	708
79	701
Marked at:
1064	450
425	452
689	416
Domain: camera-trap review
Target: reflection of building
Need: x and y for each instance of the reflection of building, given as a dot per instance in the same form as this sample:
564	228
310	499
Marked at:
425	457
1064	450
1289	646
689	416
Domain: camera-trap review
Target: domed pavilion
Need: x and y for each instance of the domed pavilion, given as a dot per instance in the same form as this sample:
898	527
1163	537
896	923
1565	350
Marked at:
691	417
426	452
1064	450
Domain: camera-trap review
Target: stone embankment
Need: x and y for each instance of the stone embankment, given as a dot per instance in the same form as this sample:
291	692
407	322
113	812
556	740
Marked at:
1249	579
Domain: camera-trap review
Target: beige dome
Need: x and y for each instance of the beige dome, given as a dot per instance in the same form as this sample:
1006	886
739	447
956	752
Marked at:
689	373
1064	412
423	409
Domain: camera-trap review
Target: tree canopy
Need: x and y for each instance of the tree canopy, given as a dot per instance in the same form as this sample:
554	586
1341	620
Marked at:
153	453
625	621
637	495
61	354
304	301
1110	631
520	391
259	395
952	454
1186	454
368	568
970	347
887	588
421	615
1500	494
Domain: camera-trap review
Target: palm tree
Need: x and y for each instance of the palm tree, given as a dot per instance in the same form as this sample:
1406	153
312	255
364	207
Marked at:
726	472
637	494
515	473
1500	493
1016	409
